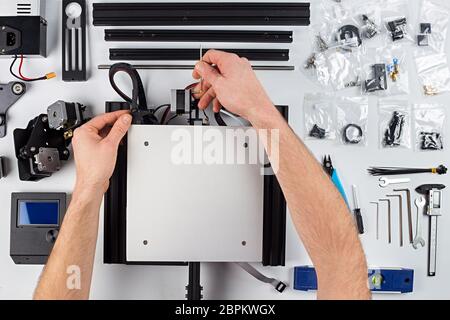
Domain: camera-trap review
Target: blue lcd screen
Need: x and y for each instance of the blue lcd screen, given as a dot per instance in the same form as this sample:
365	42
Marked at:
42	213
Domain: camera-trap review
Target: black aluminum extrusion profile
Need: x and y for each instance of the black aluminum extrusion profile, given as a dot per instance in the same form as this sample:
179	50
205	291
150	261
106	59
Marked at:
115	208
274	223
201	14
124	54
141	35
194	288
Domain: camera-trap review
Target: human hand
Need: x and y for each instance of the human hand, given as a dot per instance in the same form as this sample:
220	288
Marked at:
95	146
232	83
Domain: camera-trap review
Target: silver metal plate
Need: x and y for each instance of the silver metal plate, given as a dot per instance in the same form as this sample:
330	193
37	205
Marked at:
196	212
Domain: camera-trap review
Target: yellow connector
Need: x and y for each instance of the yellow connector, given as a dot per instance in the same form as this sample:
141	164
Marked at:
50	75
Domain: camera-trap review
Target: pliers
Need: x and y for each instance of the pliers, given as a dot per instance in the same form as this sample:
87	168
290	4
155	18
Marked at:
329	169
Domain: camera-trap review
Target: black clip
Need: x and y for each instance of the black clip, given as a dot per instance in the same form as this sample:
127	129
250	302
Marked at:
280	287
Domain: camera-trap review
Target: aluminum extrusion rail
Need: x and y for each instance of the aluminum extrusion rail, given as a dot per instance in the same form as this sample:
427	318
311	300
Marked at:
185	14
193	54
142	35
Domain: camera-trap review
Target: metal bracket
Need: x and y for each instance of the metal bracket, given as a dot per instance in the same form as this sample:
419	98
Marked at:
379	80
9	94
43	144
74	40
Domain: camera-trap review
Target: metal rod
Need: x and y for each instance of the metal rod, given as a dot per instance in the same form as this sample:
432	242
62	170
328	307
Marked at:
191	67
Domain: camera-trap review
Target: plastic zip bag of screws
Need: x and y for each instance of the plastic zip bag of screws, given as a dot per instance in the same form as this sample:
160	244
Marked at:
397	20
385	72
368	15
332	65
316	64
433	25
319	117
352	121
394	124
330	10
433	73
429	123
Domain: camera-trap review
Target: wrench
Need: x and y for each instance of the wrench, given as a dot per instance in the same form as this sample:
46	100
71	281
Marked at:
385	182
420	204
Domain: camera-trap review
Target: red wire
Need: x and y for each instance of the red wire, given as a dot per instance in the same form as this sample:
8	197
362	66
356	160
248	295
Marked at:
20	69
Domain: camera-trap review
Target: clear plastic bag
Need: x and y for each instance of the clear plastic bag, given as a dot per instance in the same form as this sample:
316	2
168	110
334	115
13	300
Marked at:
385	72
330	10
368	15
319	117
334	68
352	121
343	69
337	42
397	20
429	124
433	73
433	24
394	124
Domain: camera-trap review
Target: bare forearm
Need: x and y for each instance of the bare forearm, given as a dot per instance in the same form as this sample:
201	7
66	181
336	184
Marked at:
319	214
74	250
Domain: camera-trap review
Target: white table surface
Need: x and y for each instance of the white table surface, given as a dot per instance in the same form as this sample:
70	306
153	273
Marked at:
220	281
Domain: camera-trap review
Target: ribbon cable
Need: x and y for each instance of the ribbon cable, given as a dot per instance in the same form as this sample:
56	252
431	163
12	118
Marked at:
277	284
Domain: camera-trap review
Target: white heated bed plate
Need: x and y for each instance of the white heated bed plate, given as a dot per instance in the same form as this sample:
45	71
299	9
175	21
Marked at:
196	212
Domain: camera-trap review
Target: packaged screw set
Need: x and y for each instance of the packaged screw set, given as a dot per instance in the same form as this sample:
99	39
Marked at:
365	44
341	119
319	117
394	124
429	124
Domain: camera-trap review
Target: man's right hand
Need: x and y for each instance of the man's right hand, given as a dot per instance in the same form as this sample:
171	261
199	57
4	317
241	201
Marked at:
231	83
95	146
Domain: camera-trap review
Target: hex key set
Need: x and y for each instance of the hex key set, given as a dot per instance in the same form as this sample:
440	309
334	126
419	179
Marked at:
185	14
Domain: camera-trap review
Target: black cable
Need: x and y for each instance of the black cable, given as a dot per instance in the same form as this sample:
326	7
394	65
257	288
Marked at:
138	99
160	107
11	68
175	116
19	77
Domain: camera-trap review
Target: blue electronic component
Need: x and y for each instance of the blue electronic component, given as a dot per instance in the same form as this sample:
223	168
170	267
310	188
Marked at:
380	280
41	213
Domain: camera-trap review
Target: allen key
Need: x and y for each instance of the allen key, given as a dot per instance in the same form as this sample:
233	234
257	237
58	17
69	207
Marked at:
400	214
389	218
378	218
409	206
